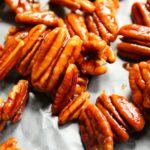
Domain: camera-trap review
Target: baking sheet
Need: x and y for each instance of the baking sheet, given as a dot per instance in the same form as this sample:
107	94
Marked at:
38	130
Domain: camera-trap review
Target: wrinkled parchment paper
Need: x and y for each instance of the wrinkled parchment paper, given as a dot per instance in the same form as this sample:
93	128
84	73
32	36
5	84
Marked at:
38	130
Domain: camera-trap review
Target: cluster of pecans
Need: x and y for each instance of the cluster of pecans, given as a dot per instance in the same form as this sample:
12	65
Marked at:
58	55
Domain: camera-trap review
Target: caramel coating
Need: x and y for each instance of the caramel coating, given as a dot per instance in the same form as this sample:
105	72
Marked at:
95	130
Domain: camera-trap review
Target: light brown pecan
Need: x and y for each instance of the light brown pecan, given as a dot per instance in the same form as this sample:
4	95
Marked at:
23	5
140	13
103	22
56	52
30	49
48	18
9	144
66	89
84	5
74	108
122	115
135	42
95	129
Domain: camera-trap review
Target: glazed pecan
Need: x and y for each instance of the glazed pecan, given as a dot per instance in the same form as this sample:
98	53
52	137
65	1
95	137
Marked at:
23	5
122	115
48	18
62	97
56	52
140	13
103	22
13	108
74	5
135	43
74	108
10	144
10	55
95	129
30	49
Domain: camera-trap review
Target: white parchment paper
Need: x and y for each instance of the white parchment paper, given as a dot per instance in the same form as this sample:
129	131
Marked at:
38	130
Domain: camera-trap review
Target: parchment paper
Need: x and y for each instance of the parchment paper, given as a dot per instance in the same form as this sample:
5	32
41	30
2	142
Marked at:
38	130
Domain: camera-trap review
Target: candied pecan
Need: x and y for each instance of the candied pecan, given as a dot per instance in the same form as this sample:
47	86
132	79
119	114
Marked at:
48	18
122	115
135	42
14	106
84	5
95	129
55	53
10	144
10	55
23	5
62	97
72	110
103	22
140	13
30	49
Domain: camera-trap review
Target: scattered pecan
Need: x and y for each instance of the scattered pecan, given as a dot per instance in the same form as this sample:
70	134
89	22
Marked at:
10	144
30	49
74	5
48	18
62	97
103	22
23	5
135	42
55	53
140	13
122	115
74	108
95	129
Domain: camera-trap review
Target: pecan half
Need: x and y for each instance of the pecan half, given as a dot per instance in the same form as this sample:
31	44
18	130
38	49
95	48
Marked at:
95	130
9	144
74	108
30	49
74	5
135	42
48	18
122	115
103	22
62	97
140	13
23	5
56	52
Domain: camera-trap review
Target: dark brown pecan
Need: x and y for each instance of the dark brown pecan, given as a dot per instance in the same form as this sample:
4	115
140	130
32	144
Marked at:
23	5
122	115
66	89
103	22
73	109
135	42
85	5
56	52
9	144
140	13
48	18
30	49
95	129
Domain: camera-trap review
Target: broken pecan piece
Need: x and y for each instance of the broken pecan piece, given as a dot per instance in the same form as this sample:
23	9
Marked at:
135	42
48	18
122	115
74	5
95	129
56	52
23	5
10	144
140	13
103	22
74	108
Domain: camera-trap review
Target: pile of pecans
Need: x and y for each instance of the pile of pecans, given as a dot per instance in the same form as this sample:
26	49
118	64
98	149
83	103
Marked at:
58	55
